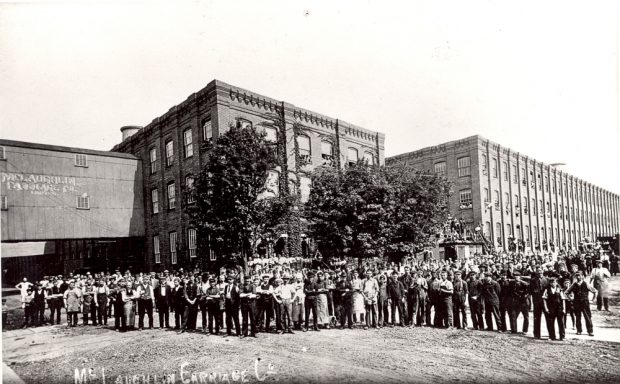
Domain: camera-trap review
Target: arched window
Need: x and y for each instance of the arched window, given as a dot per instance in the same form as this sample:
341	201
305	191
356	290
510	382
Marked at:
370	158
352	156
303	142
327	152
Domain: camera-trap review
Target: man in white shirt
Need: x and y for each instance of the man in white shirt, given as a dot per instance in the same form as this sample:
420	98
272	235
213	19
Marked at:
146	302
446	290
370	290
599	278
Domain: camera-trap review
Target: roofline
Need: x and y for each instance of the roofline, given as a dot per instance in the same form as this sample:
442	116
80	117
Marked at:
59	148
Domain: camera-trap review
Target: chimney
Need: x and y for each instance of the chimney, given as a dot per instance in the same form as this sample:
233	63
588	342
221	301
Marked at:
129	130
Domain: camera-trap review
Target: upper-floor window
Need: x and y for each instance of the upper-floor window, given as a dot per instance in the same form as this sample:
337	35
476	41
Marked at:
189	186
465	199
440	168
523	180
172	202
487	196
155	200
505	170
303	142
304	188
546	184
463	166
271	134
515	177
370	158
169	152
187	143
2	153
81	160
83	201
494	167
173	247
207	129
191	242
327	152
352	156
243	123
496	202
156	251
485	164
153	160
538	180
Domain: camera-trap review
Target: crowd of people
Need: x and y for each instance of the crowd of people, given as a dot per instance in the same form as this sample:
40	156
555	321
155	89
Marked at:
485	290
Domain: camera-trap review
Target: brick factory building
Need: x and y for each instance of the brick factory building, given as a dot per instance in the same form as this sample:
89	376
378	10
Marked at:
171	151
517	200
67	209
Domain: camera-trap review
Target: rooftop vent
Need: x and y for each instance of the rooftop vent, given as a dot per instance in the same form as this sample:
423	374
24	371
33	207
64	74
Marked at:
129	130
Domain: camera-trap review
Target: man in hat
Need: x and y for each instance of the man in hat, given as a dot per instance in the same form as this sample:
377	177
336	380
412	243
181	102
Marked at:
475	301
538	284
213	306
396	295
581	302
177	302
505	298
433	300
342	301
446	291
311	289
54	299
490	291
190	306
520	303
247	297
203	287
146	302
163	299
287	295
459	300
231	305
554	307
265	310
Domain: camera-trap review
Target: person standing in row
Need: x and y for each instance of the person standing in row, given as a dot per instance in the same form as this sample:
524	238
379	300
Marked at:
581	302
298	303
163	295
265	306
396	295
370	291
520	303
554	307
247	297
203	287
342	301
116	295
599	278
446	290
490	291
54	301
311	289
129	297
178	303
505	299
73	302
231	306
433	300
101	294
287	295
38	302
146	302
538	284
459	301
475	301
213	306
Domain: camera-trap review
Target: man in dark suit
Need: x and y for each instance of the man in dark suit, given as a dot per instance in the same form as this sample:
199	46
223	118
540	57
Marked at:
231	306
190	305
178	302
163	301
490	291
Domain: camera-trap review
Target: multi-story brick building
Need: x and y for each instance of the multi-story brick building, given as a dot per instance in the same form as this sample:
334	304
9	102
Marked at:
172	154
515	199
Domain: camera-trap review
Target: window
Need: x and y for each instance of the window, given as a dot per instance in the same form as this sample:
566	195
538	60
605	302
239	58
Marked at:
494	167
464	167
465	199
191	242
4	203
487	196
292	184
243	123
2	153
515	200
273	183
327	152
487	228
555	210
171	196
485	164
505	170
173	247
369	158
535	231
271	135
303	142
498	233
440	168
304	188
508	230
83	201
153	158
524	204
533	206
527	234
515	177
540	208
538	180
507	202
156	249
81	160
523	180
155	200
352	156
187	143
169	153
207	129
496	202
189	187
546	184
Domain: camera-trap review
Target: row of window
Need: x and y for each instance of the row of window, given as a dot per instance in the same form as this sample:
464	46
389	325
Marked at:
174	246
525	235
171	194
303	143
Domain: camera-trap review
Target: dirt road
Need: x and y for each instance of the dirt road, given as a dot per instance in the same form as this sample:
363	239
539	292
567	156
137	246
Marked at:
52	355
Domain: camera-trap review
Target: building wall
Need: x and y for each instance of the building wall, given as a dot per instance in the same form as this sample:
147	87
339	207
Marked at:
41	185
527	200
223	105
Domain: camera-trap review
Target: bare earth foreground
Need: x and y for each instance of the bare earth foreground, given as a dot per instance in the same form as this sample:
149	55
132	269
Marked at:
98	355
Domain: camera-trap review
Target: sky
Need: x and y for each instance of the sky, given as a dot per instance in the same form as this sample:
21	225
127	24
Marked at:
540	77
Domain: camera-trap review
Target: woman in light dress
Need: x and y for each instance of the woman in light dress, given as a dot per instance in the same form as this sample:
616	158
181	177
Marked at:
322	309
357	298
129	297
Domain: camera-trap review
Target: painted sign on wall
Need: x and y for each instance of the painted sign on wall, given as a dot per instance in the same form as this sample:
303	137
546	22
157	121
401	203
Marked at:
38	184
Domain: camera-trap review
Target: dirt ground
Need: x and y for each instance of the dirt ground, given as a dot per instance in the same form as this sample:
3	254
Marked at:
52	355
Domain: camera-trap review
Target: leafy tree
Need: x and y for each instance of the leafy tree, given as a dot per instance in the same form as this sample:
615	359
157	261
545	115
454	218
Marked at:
365	211
229	213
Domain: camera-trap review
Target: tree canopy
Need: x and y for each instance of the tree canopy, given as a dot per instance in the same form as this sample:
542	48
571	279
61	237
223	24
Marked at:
365	211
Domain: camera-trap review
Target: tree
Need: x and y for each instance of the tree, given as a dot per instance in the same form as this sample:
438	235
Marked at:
230	213
365	211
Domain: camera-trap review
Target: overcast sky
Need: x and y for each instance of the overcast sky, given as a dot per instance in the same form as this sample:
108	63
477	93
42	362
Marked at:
540	77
